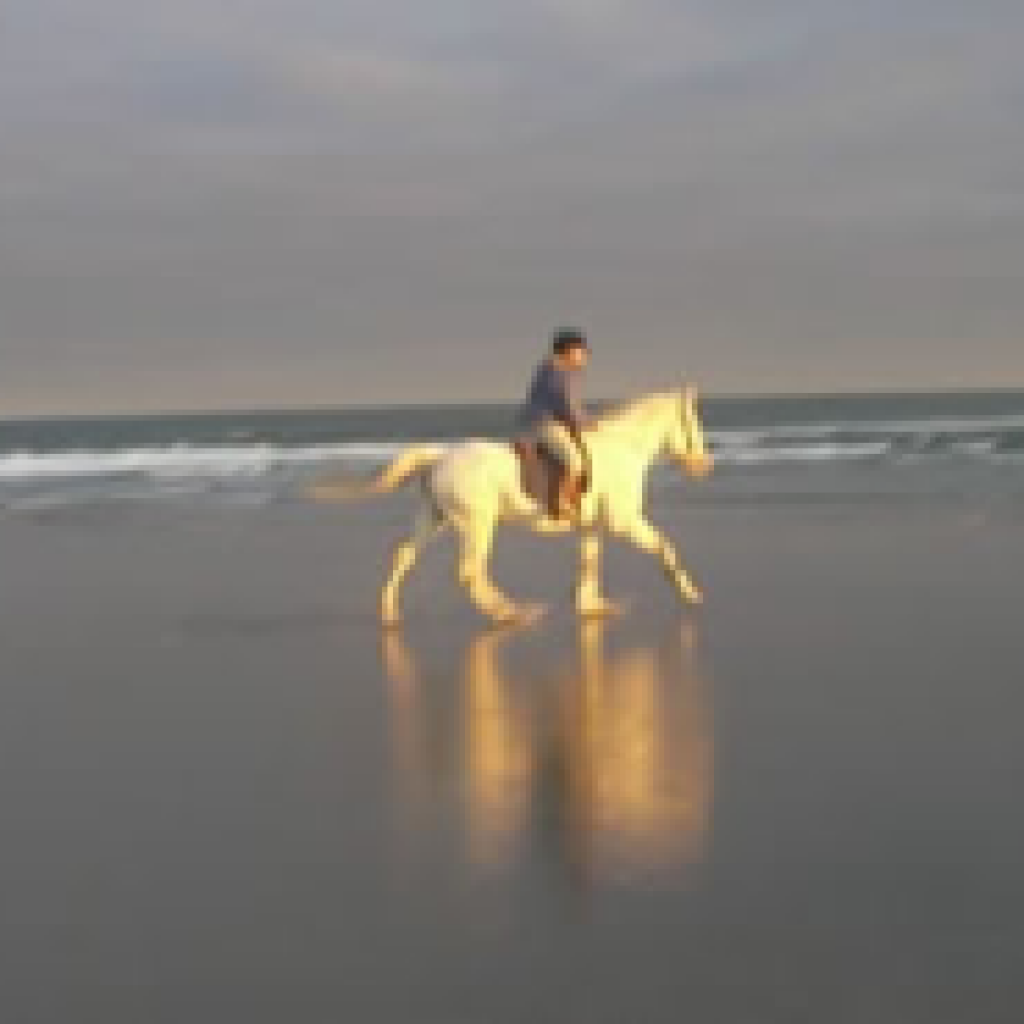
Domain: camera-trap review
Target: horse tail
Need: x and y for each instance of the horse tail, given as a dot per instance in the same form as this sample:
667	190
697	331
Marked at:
408	464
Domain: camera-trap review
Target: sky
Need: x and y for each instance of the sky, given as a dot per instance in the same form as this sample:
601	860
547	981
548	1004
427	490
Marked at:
322	202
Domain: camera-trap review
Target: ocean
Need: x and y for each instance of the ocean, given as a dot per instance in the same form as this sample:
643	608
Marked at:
830	446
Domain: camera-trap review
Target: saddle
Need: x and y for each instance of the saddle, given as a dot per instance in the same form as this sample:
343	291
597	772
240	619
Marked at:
540	476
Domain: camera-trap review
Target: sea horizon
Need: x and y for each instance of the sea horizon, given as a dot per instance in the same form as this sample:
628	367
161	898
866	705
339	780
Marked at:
598	401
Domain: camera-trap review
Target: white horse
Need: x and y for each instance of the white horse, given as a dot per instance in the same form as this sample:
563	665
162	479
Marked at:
472	485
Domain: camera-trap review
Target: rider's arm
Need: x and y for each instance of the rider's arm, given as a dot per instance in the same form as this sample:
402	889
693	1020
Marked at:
576	418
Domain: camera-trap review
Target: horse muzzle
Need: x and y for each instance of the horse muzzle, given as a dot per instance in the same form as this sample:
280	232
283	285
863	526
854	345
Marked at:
697	465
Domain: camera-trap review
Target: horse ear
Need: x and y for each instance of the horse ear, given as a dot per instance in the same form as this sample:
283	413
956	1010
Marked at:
688	393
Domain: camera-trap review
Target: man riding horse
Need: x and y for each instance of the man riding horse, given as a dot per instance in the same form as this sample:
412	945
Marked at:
554	417
471	486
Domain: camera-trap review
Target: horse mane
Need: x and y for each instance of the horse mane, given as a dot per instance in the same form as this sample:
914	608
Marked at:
634	412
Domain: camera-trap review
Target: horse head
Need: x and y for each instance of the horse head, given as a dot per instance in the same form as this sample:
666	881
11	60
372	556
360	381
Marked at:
686	442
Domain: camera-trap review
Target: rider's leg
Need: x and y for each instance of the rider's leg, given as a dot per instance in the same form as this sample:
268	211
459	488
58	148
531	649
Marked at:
555	438
573	476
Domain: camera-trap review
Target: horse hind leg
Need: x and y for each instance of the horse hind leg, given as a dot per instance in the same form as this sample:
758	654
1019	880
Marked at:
476	538
429	523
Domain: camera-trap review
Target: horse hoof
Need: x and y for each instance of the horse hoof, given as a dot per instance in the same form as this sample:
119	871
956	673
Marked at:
603	610
525	615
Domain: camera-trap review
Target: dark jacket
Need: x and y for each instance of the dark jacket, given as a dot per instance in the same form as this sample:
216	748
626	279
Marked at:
553	396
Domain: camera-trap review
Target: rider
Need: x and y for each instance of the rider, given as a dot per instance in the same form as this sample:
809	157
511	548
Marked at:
555	416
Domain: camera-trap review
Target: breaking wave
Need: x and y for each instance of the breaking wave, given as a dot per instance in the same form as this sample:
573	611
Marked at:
252	468
183	460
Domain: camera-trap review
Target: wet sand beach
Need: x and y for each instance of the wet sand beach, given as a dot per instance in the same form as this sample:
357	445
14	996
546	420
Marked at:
226	795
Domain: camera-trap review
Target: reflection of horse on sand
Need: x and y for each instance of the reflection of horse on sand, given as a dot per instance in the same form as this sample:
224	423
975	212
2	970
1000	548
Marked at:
470	487
611	763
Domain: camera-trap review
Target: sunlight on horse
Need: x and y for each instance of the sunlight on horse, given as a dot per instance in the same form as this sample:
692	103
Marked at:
472	486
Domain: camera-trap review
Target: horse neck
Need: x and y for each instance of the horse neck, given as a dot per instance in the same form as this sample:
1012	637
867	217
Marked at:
647	427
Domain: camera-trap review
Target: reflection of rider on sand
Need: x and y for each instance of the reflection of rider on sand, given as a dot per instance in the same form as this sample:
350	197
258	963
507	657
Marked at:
554	416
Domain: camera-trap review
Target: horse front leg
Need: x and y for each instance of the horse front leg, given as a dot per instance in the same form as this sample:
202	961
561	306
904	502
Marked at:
588	597
476	539
648	538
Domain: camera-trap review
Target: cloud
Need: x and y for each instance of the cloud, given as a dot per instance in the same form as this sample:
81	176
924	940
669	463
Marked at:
369	78
817	178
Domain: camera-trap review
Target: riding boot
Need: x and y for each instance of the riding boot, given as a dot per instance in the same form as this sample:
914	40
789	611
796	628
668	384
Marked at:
567	497
555	497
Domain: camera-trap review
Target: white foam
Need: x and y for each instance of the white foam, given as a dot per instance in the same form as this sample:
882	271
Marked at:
183	460
980	447
803	453
928	427
813	443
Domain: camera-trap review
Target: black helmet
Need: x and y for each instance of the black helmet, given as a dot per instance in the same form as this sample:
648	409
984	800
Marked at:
566	338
